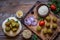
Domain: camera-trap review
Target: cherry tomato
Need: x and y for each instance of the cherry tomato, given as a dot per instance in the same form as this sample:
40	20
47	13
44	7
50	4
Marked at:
53	7
42	23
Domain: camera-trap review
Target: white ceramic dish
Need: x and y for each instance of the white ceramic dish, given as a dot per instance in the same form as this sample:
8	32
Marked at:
11	33
26	34
43	10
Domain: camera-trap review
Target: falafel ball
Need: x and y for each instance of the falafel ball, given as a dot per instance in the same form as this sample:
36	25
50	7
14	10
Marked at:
44	31
7	29
38	28
17	25
49	31
48	25
48	19
54	19
54	26
14	29
7	23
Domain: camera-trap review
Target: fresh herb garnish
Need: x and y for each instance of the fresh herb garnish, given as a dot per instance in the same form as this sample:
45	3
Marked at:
34	37
40	18
57	4
8	20
16	21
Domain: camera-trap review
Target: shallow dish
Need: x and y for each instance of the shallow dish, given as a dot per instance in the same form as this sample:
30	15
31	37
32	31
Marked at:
11	33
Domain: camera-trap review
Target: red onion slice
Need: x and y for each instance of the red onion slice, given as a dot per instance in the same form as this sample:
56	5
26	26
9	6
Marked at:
27	22
30	21
31	18
34	23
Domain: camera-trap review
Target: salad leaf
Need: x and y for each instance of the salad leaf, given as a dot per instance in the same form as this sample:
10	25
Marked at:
57	3
8	20
40	18
34	37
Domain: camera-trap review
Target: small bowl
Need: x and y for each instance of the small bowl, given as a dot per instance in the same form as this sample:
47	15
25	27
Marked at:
19	14
11	34
39	7
25	33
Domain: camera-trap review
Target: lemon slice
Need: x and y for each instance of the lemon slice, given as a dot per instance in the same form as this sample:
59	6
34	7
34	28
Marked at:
19	13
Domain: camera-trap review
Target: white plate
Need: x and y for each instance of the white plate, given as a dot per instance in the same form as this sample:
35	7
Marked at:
11	33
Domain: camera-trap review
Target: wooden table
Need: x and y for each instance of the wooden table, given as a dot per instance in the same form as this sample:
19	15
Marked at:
8	8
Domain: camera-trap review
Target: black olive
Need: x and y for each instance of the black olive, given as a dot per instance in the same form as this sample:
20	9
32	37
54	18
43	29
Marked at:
32	12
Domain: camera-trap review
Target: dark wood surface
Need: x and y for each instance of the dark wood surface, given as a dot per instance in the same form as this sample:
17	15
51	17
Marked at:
8	8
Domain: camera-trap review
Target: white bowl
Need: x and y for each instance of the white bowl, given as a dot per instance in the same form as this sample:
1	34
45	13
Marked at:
43	10
11	33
